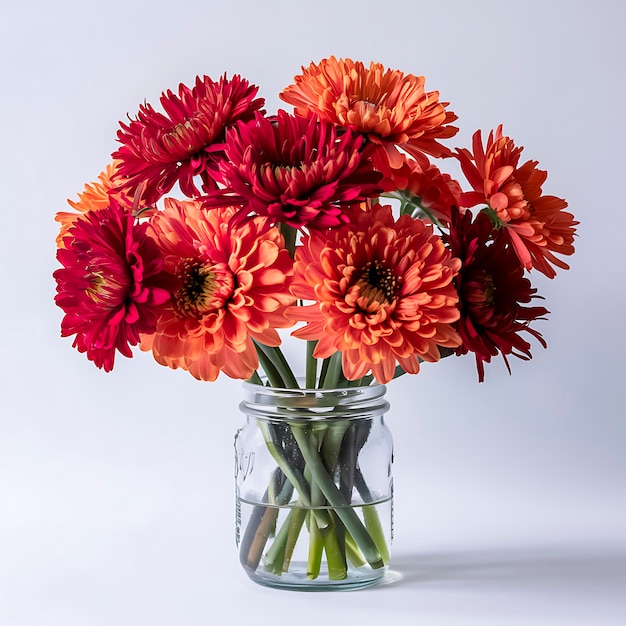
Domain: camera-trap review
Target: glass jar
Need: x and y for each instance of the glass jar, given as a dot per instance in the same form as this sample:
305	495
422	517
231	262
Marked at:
314	487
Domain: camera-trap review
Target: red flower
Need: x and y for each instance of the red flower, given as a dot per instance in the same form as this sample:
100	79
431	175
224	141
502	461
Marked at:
111	283
298	171
231	287
492	291
433	191
389	107
535	224
382	290
187	140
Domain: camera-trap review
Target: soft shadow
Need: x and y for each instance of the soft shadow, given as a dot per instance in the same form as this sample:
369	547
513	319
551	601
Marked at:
508	568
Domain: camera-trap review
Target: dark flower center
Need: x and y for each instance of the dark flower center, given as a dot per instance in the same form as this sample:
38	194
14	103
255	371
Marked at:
479	295
378	283
488	290
205	287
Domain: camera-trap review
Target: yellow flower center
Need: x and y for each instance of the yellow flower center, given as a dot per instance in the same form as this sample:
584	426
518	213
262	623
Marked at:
108	289
181	137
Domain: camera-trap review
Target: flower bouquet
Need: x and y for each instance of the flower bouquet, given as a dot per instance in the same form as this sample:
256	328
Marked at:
215	226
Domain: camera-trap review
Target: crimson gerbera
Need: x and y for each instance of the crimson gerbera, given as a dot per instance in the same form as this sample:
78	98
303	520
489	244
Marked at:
187	140
111	285
302	172
492	293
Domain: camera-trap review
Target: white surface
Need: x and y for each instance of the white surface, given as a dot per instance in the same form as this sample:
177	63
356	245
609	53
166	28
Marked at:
116	503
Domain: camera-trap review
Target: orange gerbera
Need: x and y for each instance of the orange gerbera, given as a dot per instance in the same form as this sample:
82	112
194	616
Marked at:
96	195
382	293
390	107
231	286
536	225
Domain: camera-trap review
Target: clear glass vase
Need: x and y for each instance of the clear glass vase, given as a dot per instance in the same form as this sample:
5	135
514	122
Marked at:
314	487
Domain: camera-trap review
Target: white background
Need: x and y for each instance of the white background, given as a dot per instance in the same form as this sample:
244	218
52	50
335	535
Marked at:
116	491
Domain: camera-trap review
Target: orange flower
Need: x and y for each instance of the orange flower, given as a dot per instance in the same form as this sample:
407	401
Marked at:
536	224
231	285
390	107
383	293
96	195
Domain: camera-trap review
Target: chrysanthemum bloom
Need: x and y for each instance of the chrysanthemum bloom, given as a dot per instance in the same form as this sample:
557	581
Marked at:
296	170
389	107
432	190
232	287
536	224
111	285
95	196
492	291
382	292
187	140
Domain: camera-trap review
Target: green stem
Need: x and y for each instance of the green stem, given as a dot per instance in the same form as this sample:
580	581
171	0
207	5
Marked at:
278	360
316	547
356	383
251	556
346	513
323	371
279	555
331	445
295	526
311	365
333	373
367	380
272	373
317	533
262	522
373	525
353	553
330	438
334	546
255	379
294	476
289	233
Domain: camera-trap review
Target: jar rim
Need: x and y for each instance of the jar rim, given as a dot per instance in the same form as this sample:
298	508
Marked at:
366	401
